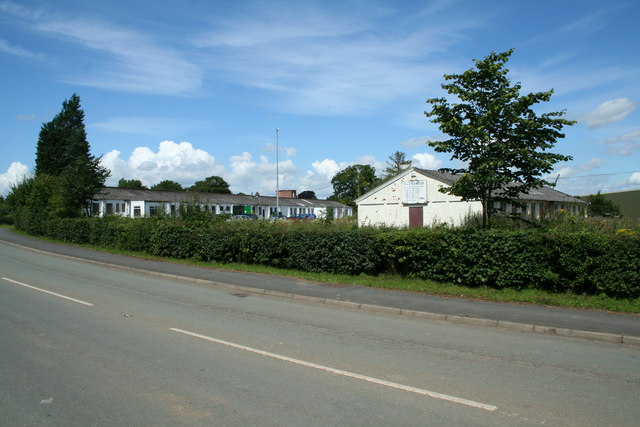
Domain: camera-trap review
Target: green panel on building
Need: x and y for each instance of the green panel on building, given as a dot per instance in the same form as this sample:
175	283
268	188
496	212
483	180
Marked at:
629	202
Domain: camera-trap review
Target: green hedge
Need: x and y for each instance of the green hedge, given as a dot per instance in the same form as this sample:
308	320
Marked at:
579	262
583	262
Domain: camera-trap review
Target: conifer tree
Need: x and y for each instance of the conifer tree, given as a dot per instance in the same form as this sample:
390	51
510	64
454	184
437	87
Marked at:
396	164
63	152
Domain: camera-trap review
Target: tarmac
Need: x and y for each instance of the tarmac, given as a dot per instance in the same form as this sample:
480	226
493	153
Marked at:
595	325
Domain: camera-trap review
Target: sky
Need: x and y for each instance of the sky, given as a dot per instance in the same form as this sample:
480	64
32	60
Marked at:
182	90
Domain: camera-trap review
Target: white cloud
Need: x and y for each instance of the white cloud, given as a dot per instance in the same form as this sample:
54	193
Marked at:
244	173
635	178
626	144
249	176
318	179
426	161
609	112
14	174
177	162
327	168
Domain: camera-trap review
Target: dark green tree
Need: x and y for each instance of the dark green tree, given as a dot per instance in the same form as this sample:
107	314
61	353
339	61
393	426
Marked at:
167	185
5	212
36	200
396	164
599	205
212	184
495	133
352	182
133	184
63	152
308	194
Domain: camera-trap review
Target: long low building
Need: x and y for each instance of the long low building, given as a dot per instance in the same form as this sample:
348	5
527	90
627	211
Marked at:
134	203
413	199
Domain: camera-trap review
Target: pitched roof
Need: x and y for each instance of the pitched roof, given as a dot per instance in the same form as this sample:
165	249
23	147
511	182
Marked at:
113	193
542	194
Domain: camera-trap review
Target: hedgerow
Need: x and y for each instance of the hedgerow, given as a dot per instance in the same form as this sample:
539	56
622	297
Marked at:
582	261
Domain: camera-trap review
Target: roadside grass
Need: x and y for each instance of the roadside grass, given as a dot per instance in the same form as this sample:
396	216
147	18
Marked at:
524	296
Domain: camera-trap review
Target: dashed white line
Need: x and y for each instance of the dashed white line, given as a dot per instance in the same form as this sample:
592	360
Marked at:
341	372
47	292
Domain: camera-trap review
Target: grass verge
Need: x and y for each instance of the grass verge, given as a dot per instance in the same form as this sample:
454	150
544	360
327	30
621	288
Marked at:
526	296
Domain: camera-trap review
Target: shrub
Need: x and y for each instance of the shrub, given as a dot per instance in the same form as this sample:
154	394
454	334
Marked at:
579	260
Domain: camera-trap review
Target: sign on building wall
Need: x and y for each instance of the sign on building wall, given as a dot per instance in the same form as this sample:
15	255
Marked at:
415	192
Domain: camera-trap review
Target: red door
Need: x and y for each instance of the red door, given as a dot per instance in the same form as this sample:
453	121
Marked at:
415	216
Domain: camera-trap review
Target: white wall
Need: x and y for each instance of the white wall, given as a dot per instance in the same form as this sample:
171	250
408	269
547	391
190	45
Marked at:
386	206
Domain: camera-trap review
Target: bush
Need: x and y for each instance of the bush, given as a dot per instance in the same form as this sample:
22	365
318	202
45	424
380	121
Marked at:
580	260
334	251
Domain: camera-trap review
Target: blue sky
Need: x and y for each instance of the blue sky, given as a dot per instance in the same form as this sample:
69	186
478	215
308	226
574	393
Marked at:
184	90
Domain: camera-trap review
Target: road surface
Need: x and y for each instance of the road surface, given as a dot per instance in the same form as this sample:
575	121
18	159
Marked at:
84	344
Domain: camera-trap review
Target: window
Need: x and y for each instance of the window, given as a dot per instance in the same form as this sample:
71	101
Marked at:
137	211
109	209
153	210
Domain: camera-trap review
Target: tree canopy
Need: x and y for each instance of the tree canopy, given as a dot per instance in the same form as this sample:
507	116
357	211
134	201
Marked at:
62	140
66	177
167	185
134	184
599	205
307	194
352	182
212	184
495	133
396	164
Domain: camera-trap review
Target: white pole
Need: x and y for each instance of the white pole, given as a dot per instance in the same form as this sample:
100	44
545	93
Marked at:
277	176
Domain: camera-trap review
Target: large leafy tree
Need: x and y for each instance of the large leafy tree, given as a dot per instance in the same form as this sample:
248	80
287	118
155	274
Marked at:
352	182
132	184
495	133
396	164
212	184
167	185
307	194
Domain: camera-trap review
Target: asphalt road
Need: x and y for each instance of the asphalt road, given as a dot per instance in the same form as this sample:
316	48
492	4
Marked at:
85	344
615	327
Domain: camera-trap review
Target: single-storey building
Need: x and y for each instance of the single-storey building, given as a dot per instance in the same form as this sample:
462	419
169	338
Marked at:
413	199
135	203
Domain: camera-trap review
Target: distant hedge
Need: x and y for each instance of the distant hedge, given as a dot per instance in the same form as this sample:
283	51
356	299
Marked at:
582	262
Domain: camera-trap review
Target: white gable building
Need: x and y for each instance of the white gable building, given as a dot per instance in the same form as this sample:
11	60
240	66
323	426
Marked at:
413	199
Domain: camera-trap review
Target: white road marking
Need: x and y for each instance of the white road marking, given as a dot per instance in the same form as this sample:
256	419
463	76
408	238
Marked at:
403	387
47	292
